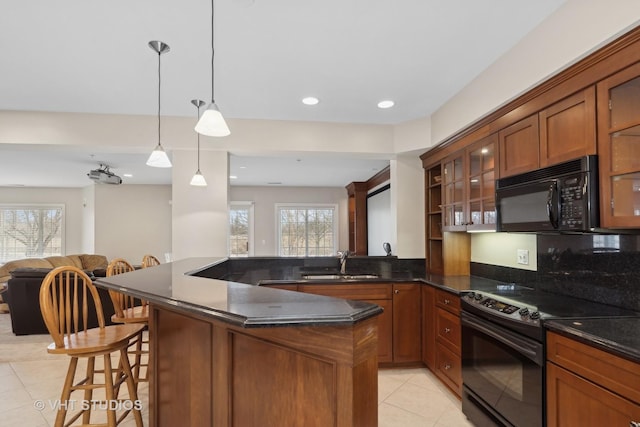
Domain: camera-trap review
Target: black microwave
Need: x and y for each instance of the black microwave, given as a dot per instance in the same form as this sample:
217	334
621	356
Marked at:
562	197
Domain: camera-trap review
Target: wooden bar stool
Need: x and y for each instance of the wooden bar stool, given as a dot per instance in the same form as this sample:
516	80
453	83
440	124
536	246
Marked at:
126	311
66	295
149	261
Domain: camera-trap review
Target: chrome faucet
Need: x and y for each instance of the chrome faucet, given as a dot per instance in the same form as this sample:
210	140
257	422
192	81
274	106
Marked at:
343	260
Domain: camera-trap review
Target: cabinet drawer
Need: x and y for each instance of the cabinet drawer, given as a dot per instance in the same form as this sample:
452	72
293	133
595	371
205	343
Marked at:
610	371
351	291
448	330
448	301
449	368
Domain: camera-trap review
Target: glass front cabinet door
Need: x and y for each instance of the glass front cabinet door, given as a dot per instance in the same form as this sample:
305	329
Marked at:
619	149
454	197
481	158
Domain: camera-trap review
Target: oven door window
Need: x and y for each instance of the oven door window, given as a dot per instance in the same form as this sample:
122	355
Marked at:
502	376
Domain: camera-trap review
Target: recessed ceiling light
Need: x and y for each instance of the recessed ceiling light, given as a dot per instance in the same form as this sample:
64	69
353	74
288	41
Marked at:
386	104
243	167
233	177
127	175
310	100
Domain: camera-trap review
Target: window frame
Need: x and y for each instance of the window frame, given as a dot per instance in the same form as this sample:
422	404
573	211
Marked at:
250	240
42	206
278	228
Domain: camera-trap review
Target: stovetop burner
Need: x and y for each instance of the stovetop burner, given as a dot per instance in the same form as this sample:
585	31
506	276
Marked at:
525	309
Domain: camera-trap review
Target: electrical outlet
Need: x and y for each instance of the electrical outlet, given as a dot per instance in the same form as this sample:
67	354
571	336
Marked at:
523	256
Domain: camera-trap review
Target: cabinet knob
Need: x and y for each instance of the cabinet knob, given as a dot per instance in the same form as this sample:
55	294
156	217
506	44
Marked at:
447	330
447	367
396	291
634	424
446	301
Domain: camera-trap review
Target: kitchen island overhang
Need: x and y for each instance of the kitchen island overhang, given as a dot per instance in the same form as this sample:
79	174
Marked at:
225	353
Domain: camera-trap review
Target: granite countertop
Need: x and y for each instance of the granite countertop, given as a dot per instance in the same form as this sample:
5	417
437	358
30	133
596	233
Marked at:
173	285
618	335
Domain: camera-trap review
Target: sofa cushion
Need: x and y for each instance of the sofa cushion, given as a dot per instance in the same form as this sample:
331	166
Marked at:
93	262
6	269
59	261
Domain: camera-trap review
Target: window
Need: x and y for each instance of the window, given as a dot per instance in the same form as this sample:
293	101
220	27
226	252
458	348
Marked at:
241	229
307	230
31	231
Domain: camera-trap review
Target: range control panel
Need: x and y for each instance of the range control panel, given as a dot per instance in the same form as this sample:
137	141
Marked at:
502	308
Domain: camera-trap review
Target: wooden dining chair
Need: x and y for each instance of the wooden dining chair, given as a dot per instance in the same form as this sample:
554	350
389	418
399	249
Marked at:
149	261
65	296
130	310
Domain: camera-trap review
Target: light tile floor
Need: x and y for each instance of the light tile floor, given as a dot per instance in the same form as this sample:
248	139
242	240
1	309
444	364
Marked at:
29	375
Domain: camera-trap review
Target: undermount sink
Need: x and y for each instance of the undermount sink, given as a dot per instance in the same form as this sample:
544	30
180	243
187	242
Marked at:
339	276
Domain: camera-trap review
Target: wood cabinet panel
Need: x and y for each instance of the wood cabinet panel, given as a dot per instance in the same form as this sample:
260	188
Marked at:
568	128
615	373
385	330
448	301
407	324
448	332
428	326
574	401
449	369
518	147
306	380
359	291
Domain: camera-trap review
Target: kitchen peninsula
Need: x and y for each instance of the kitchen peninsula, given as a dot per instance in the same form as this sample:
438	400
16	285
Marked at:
226	353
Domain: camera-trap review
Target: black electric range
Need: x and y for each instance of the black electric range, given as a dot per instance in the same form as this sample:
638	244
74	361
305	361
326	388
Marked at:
525	309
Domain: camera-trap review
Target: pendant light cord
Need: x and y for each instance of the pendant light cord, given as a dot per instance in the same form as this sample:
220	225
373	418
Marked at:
159	53
198	117
212	55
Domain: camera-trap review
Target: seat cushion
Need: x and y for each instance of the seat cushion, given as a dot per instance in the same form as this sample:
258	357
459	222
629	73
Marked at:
93	262
59	261
6	269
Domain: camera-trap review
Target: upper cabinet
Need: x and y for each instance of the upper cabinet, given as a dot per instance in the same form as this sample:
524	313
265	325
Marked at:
568	128
519	147
453	188
619	149
481	199
563	131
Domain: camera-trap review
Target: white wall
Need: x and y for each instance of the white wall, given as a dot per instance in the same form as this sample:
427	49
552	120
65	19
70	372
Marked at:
132	220
576	29
200	214
88	219
407	206
70	197
501	249
379	227
265	199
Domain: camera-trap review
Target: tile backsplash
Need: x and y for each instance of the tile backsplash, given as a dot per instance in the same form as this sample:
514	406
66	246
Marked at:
596	267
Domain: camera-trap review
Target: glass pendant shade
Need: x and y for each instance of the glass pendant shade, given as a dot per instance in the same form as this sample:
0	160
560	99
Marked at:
159	158
212	123
198	179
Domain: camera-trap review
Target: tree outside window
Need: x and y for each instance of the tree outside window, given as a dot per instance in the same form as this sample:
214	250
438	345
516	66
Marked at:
30	232
307	231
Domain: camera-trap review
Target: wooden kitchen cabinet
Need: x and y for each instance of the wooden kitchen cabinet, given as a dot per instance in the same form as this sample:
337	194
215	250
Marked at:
442	336
481	175
433	219
375	293
588	386
407	324
568	128
518	147
399	326
428	329
619	149
454	195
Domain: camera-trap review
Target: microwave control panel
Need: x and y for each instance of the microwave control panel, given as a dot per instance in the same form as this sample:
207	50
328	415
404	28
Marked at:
572	193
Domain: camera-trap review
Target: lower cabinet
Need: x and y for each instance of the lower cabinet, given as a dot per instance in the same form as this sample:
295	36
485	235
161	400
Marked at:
441	336
399	326
590	387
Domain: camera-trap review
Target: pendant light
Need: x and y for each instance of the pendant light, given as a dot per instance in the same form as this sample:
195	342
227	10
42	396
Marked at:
158	157
198	180
212	123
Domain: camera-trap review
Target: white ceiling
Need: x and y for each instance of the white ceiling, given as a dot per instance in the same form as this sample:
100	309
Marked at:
90	56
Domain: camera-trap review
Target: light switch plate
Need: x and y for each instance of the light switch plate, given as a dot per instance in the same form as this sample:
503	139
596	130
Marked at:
523	256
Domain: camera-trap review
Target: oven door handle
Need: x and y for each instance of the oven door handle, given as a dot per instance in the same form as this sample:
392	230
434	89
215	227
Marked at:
528	348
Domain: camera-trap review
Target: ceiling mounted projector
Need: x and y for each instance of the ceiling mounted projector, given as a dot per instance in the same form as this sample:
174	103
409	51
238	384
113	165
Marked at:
104	176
